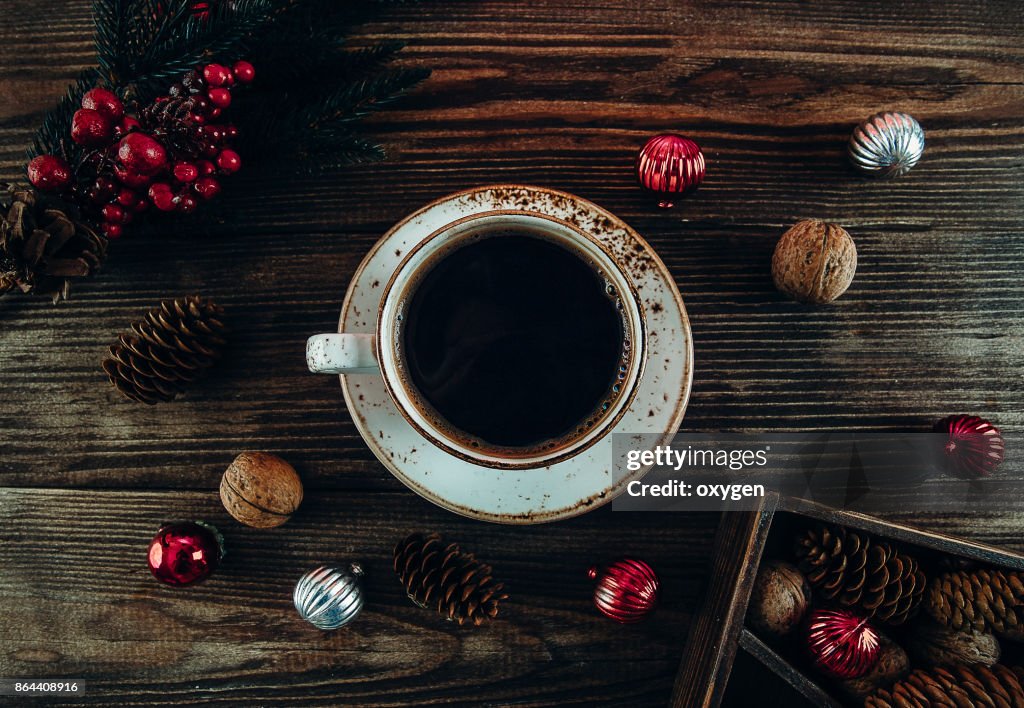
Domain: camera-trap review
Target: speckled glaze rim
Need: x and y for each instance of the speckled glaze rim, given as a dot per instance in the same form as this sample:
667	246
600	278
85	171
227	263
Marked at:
419	417
676	401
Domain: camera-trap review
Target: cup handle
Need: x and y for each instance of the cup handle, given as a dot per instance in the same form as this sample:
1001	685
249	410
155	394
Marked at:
342	353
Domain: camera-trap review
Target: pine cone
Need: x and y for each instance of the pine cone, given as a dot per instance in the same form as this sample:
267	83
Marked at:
858	572
981	600
962	686
172	347
43	246
440	576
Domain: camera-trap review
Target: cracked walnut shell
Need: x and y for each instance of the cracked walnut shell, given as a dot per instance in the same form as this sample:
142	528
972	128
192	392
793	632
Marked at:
814	261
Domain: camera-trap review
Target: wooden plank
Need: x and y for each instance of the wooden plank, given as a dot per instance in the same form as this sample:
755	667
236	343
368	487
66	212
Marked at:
893	529
711	645
78	602
789	673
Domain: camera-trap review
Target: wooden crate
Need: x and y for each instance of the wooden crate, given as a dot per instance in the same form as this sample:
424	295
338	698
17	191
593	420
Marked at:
742	539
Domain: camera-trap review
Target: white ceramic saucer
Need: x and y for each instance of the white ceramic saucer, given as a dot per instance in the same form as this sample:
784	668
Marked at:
564	489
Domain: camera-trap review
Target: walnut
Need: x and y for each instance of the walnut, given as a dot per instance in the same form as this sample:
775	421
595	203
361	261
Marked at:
779	600
814	261
260	490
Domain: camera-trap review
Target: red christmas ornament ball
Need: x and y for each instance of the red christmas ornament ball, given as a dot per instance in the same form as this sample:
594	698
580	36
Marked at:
142	154
244	72
185	552
104	101
669	166
111	230
841	644
972	447
49	173
90	127
626	590
217	75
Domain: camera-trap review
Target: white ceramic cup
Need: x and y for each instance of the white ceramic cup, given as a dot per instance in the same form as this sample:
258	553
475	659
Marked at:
380	354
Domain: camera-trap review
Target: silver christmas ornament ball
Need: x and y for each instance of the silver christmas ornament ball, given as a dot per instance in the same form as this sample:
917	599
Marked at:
329	597
886	145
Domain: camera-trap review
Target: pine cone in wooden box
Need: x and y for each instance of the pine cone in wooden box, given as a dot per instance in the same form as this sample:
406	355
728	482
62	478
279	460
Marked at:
982	600
857	571
961	686
440	576
167	350
43	245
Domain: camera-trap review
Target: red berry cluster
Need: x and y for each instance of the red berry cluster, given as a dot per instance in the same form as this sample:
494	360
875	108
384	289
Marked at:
168	155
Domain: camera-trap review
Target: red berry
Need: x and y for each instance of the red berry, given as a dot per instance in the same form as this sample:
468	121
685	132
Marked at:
210	150
244	72
219	97
216	75
126	198
112	230
215	112
127	125
185	172
131	179
197	119
186	204
49	173
162	197
205	167
105	101
229	161
230	132
90	127
113	213
142	154
207	187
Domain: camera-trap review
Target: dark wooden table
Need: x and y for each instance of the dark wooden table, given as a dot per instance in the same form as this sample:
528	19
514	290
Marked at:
552	93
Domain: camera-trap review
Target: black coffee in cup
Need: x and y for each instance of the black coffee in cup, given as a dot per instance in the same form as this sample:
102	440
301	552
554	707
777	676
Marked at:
515	341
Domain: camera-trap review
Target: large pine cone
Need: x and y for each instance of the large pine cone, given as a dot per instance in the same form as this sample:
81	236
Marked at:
43	246
439	576
862	573
961	686
170	348
982	600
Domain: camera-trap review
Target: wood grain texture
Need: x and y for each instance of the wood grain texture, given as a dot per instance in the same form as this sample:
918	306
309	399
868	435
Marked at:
559	93
79	602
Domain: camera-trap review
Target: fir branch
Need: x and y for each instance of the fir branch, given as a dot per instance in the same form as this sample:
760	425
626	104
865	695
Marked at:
53	135
112	19
357	100
180	44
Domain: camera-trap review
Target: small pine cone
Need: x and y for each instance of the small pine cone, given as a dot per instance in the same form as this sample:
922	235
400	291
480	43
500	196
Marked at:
982	600
43	246
170	348
962	686
857	572
439	576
